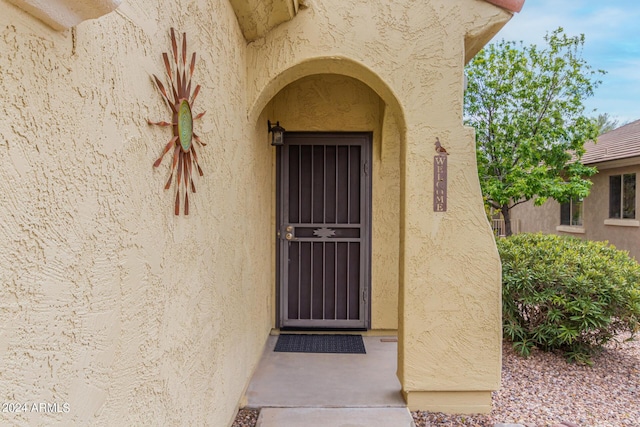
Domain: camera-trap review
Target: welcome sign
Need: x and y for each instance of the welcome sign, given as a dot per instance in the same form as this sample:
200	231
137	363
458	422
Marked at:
440	183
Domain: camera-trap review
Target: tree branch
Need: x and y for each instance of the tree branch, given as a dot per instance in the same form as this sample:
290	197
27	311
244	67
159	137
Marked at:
517	203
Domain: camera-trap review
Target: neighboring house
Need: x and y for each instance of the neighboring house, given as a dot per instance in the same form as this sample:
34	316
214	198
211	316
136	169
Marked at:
134	316
610	211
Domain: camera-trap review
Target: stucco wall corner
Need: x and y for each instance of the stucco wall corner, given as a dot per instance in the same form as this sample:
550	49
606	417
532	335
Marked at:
483	21
64	14
257	17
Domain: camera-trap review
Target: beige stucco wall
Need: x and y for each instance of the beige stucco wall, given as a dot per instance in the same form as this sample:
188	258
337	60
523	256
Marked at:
131	314
596	211
625	235
325	102
411	54
108	301
532	219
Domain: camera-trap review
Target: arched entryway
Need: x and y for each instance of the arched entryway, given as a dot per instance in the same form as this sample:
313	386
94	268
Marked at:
442	267
353	129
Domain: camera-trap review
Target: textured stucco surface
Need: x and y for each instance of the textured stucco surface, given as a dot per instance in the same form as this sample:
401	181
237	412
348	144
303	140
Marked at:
595	211
112	304
411	54
108	301
532	218
257	17
62	14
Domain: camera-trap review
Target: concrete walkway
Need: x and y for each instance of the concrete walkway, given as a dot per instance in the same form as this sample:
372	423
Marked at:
329	390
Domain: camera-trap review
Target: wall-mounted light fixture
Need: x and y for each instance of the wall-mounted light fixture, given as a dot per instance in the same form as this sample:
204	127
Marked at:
277	133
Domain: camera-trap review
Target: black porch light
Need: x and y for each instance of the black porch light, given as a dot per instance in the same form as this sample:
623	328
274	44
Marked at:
277	133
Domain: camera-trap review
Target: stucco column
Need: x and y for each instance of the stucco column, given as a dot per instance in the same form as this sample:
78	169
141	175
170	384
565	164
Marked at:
412	53
449	321
450	299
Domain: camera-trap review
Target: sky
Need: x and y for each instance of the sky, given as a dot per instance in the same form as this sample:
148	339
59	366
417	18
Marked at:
612	44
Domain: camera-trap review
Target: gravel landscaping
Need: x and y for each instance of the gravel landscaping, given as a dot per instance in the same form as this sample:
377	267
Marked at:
246	418
545	390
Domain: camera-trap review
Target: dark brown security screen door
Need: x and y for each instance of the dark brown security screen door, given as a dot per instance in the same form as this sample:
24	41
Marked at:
324	211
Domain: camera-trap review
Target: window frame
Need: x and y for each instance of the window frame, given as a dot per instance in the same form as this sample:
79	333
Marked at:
621	197
573	205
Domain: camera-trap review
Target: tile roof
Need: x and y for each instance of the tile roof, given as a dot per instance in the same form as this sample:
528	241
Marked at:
620	143
510	5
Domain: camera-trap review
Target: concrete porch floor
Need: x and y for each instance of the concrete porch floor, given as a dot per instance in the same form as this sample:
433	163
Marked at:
327	390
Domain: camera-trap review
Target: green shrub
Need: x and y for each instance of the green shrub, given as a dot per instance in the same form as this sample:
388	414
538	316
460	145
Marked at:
567	294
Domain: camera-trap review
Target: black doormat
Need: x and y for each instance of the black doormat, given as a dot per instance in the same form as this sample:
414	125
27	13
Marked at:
298	343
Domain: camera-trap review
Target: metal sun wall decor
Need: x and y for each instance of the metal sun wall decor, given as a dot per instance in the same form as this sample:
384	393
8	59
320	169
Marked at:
181	105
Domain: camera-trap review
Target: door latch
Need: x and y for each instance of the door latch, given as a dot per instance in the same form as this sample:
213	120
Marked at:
288	233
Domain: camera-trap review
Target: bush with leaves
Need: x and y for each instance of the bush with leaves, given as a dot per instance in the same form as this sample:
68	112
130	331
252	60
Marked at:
568	294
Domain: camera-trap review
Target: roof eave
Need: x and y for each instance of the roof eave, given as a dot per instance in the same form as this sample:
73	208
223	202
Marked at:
64	14
614	163
257	17
488	23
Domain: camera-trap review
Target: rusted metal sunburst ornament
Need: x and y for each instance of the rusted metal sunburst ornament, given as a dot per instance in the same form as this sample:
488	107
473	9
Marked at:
184	152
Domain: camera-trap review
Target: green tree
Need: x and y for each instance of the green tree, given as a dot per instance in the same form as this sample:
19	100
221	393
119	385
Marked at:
526	105
606	123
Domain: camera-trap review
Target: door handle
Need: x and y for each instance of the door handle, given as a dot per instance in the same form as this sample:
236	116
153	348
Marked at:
289	232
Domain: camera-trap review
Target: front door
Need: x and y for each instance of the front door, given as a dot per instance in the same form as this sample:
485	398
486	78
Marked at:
323	232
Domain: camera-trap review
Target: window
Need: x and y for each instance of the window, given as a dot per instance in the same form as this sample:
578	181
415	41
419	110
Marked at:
571	213
622	196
